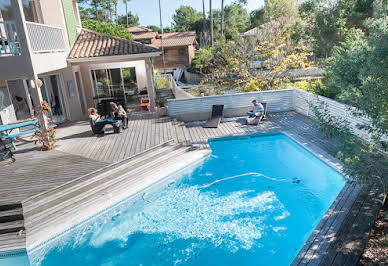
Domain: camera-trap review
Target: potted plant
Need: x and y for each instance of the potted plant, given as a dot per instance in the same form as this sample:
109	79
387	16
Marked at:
162	107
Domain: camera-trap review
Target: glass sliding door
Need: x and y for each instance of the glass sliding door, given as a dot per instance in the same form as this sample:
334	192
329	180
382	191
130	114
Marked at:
52	94
116	84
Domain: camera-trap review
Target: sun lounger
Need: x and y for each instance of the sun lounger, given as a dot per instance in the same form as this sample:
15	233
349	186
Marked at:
217	114
5	152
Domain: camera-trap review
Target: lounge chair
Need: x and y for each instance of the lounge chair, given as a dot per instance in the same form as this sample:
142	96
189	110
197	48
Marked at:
217	115
100	129
5	152
258	119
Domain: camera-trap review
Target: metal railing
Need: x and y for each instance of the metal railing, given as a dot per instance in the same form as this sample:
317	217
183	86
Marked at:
45	38
9	42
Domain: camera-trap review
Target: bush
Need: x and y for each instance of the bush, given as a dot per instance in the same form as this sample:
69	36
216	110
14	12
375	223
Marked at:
109	29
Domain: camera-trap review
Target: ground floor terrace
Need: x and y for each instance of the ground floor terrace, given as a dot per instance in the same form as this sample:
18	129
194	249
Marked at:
339	238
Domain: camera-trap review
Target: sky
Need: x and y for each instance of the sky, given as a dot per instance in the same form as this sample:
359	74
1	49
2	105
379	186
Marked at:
148	10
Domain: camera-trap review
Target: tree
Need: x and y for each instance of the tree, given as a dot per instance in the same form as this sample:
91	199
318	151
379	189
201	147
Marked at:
358	74
256	17
154	28
222	17
109	29
236	20
130	20
211	23
185	18
126	12
275	9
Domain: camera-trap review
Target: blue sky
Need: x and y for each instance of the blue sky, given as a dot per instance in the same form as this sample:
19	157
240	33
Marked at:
148	11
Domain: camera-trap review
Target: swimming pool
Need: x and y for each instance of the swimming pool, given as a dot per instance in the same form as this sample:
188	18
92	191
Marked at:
254	201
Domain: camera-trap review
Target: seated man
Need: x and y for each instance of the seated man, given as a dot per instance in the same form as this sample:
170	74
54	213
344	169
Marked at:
97	121
256	114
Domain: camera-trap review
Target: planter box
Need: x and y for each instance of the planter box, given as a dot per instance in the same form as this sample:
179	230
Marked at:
162	111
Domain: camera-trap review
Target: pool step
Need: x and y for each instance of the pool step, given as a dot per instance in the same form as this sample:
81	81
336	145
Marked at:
61	208
11	218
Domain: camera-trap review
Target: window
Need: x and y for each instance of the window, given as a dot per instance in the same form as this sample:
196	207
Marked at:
31	11
118	83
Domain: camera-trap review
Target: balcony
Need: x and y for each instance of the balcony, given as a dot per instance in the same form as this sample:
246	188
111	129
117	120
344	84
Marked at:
43	38
9	43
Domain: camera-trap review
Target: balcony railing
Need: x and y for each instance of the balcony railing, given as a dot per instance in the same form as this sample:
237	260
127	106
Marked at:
9	43
45	38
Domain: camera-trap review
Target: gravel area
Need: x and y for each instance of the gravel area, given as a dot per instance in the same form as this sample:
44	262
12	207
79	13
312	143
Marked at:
376	250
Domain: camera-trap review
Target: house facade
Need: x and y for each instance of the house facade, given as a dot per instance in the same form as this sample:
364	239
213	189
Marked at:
43	40
178	48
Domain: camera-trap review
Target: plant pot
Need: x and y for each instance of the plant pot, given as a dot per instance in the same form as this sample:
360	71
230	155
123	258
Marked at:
162	111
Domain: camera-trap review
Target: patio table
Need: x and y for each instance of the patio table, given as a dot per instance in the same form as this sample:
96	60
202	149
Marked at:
6	130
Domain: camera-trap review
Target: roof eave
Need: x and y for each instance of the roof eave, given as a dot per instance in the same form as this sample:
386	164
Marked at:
113	57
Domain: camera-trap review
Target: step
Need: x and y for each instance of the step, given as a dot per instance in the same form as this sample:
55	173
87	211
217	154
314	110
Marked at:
59	218
95	176
11	227
10	206
77	194
11	215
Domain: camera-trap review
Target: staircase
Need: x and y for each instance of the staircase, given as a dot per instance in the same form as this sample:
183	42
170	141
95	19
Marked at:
12	235
56	210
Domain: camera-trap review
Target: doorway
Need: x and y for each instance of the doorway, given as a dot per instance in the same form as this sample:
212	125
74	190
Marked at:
52	94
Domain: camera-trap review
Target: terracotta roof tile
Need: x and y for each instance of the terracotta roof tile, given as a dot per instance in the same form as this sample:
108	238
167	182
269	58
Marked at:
93	44
172	39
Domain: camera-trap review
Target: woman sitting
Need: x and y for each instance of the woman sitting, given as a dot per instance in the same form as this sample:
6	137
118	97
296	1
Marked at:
97	121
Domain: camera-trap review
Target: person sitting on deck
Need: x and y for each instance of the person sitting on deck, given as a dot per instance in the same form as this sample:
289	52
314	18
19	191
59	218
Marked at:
256	114
97	121
120	114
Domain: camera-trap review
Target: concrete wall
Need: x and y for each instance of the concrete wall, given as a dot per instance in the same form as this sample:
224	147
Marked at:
199	108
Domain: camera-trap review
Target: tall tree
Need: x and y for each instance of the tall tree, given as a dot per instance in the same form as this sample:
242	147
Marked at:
185	18
115	3
211	24
129	19
203	41
275	9
126	12
222	17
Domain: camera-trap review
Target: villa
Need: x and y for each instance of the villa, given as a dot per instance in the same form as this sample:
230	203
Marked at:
167	190
79	68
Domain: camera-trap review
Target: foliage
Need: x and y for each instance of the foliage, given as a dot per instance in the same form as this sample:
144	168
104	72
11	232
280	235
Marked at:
40	136
257	17
275	9
110	29
202	61
279	56
162	102
228	64
154	28
185	18
327	22
358	72
363	161
133	20
236	20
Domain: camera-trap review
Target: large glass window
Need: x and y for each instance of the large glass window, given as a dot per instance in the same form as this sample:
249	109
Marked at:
31	11
116	83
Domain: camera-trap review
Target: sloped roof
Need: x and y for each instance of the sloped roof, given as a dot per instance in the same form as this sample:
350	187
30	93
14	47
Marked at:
141	33
94	44
172	39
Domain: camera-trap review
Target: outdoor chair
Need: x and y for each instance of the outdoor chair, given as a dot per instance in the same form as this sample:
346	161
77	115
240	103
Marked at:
97	130
258	119
217	115
5	152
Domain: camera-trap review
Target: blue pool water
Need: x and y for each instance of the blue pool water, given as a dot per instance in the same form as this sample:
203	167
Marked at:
254	201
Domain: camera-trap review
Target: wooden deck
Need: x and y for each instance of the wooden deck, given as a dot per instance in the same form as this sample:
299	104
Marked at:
80	152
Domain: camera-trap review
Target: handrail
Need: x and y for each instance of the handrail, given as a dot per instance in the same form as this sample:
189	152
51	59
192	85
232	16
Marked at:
45	38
